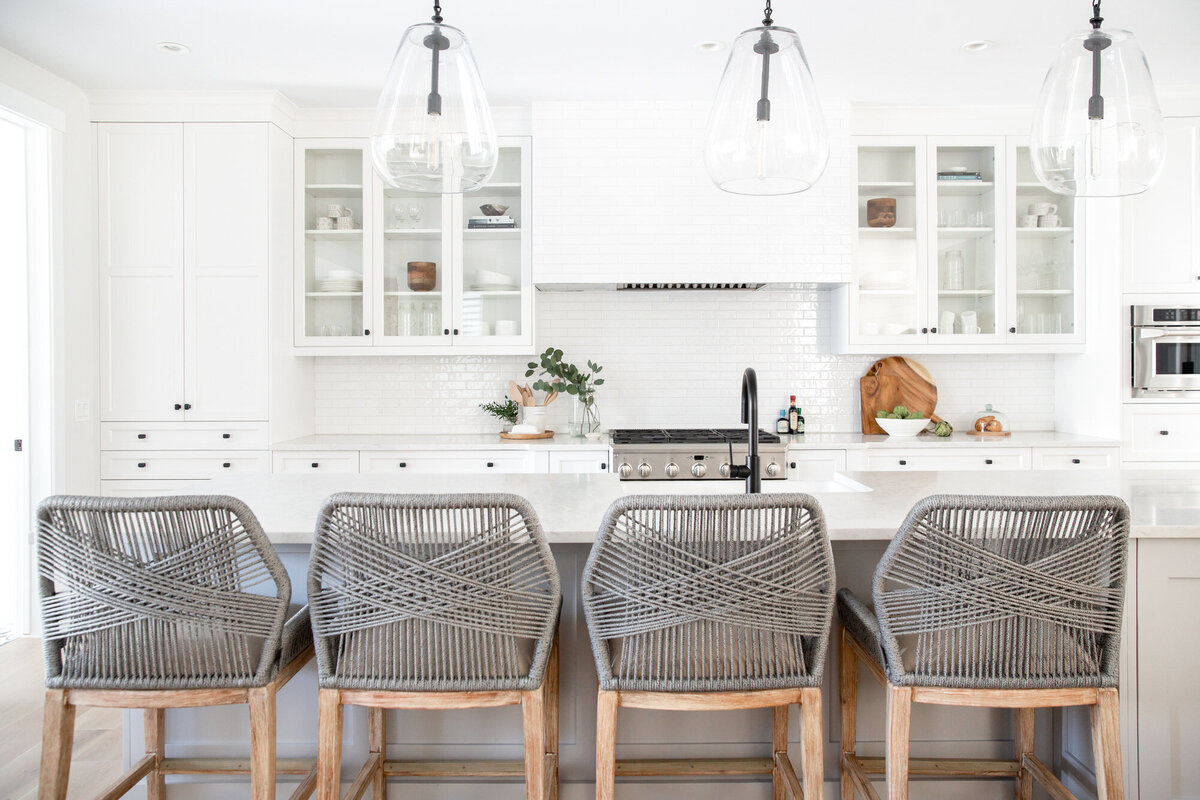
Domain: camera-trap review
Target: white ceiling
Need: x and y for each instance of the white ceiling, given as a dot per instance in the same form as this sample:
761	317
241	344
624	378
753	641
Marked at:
335	52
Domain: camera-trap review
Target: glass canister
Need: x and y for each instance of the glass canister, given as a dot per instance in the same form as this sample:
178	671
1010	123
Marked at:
990	422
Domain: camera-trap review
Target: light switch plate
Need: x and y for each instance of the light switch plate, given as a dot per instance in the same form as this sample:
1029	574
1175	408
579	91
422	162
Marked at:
83	411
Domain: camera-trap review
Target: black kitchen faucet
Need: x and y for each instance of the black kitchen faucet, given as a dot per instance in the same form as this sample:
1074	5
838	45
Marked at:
750	416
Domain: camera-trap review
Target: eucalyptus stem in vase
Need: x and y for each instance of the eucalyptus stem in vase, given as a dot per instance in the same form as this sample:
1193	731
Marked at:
556	375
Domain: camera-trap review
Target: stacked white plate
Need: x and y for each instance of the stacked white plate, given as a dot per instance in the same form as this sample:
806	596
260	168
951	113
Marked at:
340	280
488	281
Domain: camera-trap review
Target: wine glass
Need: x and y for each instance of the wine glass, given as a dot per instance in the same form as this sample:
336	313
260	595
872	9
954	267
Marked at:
397	215
414	212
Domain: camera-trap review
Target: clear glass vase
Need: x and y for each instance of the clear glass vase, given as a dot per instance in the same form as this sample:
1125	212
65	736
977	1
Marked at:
585	418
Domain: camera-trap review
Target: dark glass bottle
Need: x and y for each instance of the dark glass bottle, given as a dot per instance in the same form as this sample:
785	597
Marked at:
793	417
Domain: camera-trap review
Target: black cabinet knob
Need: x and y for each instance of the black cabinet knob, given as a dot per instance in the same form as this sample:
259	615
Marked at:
924	330
491	464
603	465
141	465
141	436
316	464
187	406
903	462
1163	433
792	464
403	464
446	332
1074	460
933	330
987	461
224	435
456	331
227	465
178	407
1012	330
366	331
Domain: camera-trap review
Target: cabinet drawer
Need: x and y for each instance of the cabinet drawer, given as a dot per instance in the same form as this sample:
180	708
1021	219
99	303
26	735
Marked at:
1082	458
972	459
814	465
1153	435
578	461
193	465
447	461
184	436
334	462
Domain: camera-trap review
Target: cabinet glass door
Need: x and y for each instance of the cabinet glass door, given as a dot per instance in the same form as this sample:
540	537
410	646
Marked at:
968	261
335	277
493	292
413	303
889	252
1043	299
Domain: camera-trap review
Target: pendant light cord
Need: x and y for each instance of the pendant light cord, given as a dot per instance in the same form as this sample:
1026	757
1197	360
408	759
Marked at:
437	12
767	14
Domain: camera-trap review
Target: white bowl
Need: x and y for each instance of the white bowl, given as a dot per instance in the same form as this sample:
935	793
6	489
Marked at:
902	427
486	276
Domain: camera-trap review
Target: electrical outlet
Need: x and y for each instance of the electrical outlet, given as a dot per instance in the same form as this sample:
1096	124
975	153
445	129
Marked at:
83	411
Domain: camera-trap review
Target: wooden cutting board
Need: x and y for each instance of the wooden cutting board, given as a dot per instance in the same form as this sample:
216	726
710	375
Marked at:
896	381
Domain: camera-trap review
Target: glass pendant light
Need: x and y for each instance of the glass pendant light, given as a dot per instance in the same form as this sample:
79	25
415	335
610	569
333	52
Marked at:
767	134
433	129
1097	127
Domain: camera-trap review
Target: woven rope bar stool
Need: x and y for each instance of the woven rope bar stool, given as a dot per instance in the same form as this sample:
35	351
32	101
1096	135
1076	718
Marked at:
712	603
997	602
165	602
434	602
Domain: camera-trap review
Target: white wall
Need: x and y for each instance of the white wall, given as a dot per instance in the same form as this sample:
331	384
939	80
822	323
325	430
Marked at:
76	458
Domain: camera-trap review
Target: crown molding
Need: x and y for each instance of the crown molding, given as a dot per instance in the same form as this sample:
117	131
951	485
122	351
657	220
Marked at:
127	105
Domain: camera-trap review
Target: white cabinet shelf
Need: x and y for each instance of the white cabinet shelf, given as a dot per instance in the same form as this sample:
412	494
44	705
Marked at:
964	187
901	188
888	233
387	317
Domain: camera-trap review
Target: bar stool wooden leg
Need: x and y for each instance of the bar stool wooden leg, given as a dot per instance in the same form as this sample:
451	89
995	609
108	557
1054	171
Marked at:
533	711
606	745
899	708
552	718
262	743
779	744
1024	745
377	744
58	733
155	736
848	695
812	751
329	744
1106	745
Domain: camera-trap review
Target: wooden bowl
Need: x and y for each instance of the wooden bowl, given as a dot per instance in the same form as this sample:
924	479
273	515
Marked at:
422	276
881	212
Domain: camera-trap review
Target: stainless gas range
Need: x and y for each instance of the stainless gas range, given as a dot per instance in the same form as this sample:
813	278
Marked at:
656	454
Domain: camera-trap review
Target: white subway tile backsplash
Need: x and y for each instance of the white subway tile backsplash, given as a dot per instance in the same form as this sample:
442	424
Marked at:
670	359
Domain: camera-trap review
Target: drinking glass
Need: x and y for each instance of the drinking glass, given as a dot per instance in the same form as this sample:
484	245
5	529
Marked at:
429	319
406	320
414	212
953	279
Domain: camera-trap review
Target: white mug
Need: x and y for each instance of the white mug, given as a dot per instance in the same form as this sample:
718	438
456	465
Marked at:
345	223
970	329
324	223
1042	209
947	322
1028	221
339	210
1049	221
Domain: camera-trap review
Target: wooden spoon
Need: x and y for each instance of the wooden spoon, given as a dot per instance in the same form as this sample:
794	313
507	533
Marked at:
527	393
549	398
515	394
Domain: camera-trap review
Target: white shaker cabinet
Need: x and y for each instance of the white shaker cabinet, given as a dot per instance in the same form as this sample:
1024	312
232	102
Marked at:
1162	226
184	226
141	271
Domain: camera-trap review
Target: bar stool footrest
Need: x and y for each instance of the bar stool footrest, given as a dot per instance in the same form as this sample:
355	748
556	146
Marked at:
947	767
230	766
454	769
645	767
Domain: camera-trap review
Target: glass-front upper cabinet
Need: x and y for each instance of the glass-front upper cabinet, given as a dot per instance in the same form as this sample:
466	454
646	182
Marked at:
1044	297
967	266
415	240
493	301
888	302
333	255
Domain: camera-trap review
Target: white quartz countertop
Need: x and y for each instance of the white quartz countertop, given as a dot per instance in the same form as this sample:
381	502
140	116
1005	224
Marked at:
438	441
570	507
853	441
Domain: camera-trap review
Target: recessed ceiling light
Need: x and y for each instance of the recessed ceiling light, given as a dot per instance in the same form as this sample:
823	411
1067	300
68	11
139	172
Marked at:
711	47
174	47
978	44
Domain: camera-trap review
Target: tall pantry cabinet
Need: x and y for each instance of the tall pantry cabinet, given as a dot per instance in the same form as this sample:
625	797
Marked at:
191	220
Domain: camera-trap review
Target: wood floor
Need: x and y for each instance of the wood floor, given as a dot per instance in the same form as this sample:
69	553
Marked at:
97	755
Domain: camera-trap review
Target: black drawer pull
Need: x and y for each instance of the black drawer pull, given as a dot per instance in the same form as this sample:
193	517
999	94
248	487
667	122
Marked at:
227	465
792	464
603	465
187	406
491	464
446	332
141	436
903	462
456	331
225	435
316	464
366	331
403	464
1074	460
1163	433
178	407
933	330
1012	330
987	461
924	330
141	465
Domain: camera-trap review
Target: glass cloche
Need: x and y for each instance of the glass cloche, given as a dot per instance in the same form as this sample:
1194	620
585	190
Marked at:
990	422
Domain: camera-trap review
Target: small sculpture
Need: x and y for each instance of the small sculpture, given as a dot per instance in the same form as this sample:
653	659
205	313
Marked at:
493	210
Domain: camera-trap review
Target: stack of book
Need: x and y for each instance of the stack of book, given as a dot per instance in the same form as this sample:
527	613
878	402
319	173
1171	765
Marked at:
955	175
477	223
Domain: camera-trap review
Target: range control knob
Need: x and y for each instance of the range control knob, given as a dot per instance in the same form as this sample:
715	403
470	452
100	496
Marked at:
644	469
672	469
772	470
724	470
699	469
625	470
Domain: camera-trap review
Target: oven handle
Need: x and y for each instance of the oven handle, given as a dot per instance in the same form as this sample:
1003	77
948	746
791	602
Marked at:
1167	337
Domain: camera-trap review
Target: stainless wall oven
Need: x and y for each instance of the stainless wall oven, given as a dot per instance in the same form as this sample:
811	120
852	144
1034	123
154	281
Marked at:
1166	351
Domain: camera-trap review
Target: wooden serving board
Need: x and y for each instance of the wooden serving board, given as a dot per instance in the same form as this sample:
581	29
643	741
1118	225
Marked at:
989	433
896	381
542	435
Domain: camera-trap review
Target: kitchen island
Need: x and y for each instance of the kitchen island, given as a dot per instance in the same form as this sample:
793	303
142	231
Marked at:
863	511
